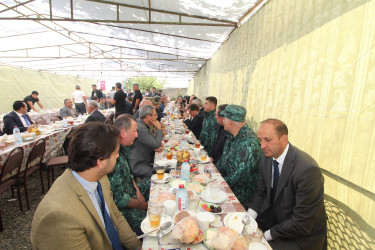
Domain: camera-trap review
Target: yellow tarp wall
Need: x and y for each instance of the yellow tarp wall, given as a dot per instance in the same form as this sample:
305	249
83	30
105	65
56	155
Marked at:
312	65
16	84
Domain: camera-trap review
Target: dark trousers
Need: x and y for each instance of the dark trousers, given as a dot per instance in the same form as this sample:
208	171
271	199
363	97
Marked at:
80	107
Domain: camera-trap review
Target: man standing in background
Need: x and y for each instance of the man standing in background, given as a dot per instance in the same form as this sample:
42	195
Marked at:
96	94
30	100
119	100
137	98
79	100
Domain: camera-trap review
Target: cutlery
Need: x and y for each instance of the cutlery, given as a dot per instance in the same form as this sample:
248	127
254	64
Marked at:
205	183
245	221
162	227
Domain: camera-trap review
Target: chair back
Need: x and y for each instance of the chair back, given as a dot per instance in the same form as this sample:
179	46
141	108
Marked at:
109	119
13	162
36	152
41	121
55	118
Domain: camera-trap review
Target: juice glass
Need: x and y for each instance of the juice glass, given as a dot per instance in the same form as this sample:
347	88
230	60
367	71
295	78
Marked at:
154	213
197	144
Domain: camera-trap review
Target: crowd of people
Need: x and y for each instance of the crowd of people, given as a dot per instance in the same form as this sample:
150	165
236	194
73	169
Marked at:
280	186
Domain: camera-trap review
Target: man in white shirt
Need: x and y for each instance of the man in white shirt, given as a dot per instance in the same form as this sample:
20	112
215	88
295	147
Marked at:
288	203
17	118
80	100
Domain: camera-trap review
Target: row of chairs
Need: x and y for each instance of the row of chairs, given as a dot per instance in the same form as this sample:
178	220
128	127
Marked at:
14	163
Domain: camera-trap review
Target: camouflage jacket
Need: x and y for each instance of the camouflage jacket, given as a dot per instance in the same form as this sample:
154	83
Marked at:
209	131
239	164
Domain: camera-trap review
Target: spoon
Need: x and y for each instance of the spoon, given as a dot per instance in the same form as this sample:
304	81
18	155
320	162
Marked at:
245	221
162	227
205	183
160	235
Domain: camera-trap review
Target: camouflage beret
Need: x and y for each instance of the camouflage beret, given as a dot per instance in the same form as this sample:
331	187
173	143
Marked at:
234	113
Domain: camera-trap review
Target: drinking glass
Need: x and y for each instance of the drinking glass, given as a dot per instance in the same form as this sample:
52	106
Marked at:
154	213
160	172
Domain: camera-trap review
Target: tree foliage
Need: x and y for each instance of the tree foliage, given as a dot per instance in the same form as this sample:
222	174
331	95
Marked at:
144	83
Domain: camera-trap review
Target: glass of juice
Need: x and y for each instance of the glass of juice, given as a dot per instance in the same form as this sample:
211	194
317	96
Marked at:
197	144
154	214
160	172
169	155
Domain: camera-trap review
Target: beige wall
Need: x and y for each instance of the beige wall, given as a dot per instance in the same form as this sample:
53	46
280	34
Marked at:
16	83
312	65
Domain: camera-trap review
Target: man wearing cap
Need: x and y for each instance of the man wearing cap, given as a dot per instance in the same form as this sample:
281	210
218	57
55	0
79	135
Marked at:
239	163
80	100
209	127
30	100
288	203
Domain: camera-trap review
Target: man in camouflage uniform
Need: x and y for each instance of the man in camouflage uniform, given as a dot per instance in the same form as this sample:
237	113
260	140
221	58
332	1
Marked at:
129	196
209	127
239	164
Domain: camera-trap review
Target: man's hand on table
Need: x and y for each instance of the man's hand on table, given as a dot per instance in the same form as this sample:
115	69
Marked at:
186	115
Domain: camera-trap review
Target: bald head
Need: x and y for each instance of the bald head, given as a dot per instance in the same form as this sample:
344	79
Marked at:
145	102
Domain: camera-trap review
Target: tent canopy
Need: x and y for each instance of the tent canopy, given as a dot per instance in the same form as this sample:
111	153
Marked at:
117	39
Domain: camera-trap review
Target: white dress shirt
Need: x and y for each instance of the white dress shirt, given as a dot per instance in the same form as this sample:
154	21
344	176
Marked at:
23	120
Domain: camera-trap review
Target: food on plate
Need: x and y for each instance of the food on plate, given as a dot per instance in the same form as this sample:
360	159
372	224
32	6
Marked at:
176	183
201	178
198	188
226	238
185	231
175	172
166	196
211	208
199	237
180	215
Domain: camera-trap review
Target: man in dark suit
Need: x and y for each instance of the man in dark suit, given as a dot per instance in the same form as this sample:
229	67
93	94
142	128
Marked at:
95	114
288	203
17	118
194	124
147	143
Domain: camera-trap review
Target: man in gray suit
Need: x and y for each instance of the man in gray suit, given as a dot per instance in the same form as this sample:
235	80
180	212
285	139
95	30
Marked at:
147	143
288	203
68	109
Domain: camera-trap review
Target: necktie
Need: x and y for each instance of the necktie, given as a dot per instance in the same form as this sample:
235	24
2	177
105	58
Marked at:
109	227
27	121
276	174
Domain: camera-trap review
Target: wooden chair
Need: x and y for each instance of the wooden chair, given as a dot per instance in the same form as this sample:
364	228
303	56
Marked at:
58	161
13	162
55	118
110	118
41	121
35	157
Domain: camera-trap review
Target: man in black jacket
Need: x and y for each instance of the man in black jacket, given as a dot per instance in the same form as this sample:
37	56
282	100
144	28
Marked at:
17	118
95	114
195	124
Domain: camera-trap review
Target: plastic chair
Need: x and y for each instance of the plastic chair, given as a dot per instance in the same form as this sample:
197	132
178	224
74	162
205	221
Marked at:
55	118
36	158
41	121
55	162
13	162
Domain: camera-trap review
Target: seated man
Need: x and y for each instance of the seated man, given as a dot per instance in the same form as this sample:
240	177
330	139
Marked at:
68	109
78	212
142	154
129	196
218	148
239	164
288	203
194	124
143	103
95	114
102	104
30	100
209	127
17	118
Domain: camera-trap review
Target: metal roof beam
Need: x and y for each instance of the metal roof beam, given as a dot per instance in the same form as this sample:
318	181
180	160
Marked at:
17	5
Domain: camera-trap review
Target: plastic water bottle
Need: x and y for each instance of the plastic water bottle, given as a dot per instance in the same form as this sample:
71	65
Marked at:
17	135
185	170
183	144
65	123
182	198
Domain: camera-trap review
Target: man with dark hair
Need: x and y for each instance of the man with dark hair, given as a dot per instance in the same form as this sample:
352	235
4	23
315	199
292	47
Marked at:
128	105
153	93
30	100
95	114
78	212
147	143
137	98
68	109
119	100
95	94
129	196
218	148
209	127
195	124
79	100
239	164
17	118
288	203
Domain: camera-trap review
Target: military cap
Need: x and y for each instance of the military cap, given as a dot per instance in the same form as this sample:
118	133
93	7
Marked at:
234	113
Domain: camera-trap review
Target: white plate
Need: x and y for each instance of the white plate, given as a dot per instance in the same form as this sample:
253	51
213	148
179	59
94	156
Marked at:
206	196
146	227
206	161
167	178
234	221
257	246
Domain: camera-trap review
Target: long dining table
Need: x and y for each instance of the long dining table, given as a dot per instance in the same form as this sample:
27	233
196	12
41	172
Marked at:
230	206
